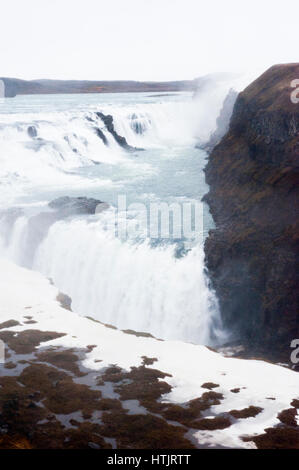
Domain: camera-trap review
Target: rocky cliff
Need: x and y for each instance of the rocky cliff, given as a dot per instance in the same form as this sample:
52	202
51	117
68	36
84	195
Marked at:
251	254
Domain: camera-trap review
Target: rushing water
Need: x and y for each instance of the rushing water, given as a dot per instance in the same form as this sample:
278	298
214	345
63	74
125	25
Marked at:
49	147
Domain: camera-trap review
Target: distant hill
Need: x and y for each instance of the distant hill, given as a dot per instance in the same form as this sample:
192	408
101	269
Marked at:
14	86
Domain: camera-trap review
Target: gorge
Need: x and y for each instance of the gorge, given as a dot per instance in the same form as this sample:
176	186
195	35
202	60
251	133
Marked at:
150	342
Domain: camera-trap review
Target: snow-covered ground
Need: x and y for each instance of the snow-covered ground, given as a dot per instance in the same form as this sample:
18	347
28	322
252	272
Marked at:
270	387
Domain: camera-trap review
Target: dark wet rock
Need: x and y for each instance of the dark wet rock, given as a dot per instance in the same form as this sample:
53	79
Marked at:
209	385
190	415
251	255
25	342
148	361
288	417
10	365
138	333
65	359
67	206
295	403
101	323
144	431
66	138
208	399
284	437
108	121
249	412
145	385
211	424
8	324
136	125
32	132
65	301
101	135
111	374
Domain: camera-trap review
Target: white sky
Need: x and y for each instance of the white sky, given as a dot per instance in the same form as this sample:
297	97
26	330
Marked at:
144	39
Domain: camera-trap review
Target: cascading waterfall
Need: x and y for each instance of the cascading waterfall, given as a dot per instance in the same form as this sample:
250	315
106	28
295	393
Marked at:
131	284
42	152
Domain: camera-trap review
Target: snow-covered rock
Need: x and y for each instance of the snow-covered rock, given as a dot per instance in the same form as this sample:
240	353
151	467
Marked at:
183	392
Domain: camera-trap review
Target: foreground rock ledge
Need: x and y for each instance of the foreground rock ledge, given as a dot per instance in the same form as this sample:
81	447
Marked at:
71	382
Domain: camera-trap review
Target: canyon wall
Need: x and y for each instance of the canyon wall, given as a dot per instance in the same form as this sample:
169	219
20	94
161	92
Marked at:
251	254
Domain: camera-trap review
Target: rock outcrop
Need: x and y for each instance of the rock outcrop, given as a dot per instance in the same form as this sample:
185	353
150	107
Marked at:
122	142
67	206
32	132
251	255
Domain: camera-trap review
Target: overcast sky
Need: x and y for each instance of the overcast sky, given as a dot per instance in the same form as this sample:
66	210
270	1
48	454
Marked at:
144	39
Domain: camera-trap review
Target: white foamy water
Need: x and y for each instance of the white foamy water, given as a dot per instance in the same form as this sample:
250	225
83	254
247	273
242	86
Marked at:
130	285
49	147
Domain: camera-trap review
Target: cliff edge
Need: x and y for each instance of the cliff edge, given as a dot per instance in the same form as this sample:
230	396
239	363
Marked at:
251	254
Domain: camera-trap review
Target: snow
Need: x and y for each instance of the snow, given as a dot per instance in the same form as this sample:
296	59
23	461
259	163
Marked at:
27	293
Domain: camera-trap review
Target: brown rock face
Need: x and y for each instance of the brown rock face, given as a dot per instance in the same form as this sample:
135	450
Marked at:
251	255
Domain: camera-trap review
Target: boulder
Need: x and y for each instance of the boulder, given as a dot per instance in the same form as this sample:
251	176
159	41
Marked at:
32	132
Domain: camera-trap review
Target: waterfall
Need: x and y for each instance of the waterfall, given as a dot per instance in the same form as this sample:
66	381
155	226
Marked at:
132	284
44	148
